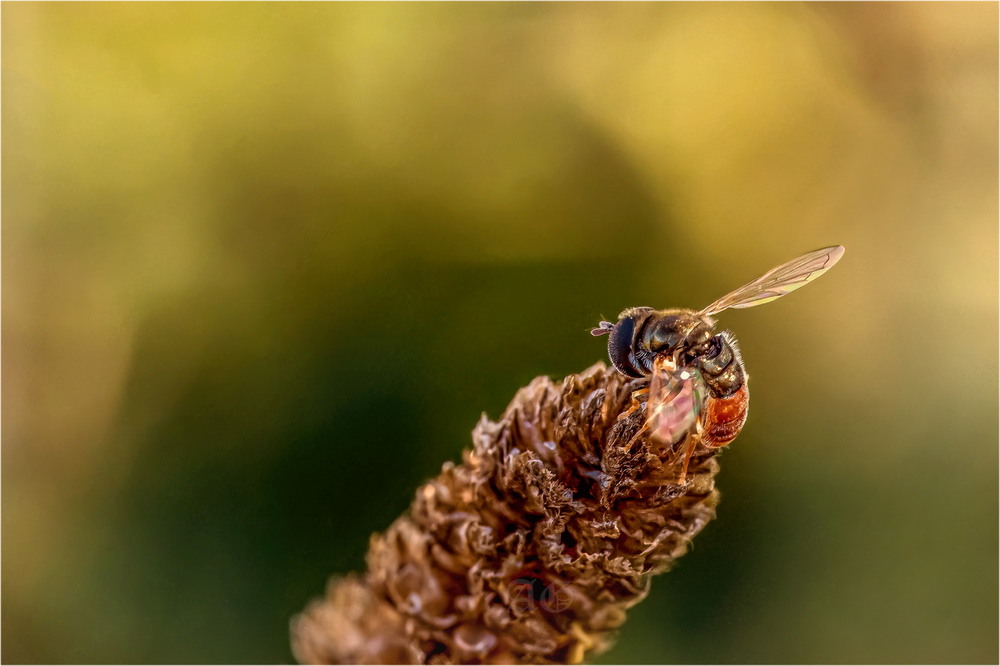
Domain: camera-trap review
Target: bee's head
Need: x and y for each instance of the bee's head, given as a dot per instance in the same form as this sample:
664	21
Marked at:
629	357
640	334
621	342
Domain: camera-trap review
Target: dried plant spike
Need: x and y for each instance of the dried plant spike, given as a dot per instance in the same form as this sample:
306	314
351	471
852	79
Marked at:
534	547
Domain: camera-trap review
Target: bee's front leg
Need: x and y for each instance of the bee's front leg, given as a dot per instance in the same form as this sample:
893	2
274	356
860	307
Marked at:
635	402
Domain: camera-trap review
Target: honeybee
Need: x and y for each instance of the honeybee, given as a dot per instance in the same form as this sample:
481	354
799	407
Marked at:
698	383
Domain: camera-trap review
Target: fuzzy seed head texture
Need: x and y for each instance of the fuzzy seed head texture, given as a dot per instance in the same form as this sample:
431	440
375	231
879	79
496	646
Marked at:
533	548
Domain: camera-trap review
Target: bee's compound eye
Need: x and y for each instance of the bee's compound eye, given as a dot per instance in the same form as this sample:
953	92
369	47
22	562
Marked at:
620	346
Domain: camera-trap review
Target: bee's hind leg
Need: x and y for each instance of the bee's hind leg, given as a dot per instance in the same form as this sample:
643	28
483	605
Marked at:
693	440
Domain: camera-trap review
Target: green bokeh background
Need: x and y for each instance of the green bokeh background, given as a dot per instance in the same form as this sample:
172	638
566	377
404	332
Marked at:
265	265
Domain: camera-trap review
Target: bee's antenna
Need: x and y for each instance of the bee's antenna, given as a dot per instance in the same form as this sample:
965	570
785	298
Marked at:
602	329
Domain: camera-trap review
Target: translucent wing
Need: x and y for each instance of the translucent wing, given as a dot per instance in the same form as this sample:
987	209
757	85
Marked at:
779	281
676	397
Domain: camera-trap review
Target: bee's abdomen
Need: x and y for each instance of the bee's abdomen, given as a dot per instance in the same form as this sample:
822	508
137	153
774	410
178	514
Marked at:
723	418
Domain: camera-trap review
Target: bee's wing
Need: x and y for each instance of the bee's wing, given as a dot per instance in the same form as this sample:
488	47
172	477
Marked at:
779	281
674	401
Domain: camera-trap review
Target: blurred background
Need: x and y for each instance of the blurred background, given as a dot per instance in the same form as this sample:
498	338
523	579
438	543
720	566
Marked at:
265	265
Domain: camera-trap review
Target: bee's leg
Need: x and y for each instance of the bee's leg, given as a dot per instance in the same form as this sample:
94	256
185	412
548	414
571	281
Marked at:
632	408
693	440
638	433
635	402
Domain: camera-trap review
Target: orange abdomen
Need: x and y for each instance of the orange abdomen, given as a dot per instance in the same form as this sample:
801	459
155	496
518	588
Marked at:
723	418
